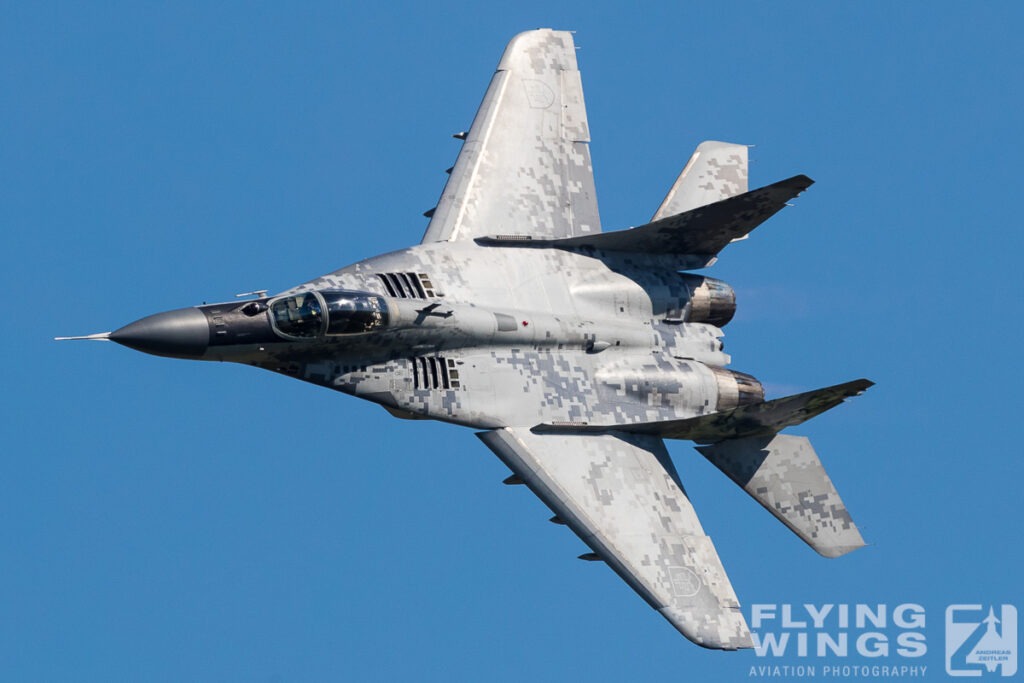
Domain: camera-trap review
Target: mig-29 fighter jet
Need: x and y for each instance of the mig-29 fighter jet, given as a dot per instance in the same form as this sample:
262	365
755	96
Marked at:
575	352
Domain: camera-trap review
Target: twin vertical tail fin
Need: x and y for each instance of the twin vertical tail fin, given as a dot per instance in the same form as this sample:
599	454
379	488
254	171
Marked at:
781	472
784	474
716	171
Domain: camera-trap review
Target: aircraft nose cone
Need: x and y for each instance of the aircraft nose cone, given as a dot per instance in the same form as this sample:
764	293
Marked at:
181	333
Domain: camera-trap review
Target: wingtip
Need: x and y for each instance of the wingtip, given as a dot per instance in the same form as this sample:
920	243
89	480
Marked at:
861	385
854	387
802	180
725	629
796	185
836	551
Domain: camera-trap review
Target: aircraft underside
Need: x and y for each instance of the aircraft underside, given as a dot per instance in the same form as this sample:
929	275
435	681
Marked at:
576	350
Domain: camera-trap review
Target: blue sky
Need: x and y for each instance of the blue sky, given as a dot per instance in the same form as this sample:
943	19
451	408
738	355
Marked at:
156	526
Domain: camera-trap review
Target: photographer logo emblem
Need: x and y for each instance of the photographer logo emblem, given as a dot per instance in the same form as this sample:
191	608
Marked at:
981	640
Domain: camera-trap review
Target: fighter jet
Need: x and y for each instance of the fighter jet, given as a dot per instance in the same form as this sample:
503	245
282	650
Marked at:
574	352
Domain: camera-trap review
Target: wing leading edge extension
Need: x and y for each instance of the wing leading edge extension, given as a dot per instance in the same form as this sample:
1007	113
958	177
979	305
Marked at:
525	164
620	494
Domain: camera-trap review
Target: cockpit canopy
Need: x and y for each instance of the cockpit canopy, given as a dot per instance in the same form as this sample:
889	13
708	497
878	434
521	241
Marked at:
309	315
354	312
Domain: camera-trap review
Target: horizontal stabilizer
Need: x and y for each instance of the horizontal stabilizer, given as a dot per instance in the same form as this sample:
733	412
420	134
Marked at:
784	474
703	231
755	419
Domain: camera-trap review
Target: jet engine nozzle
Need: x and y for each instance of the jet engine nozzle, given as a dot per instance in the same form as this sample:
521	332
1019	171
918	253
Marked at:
736	389
711	301
183	333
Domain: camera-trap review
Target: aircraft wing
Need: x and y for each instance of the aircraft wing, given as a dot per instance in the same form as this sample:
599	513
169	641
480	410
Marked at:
524	168
621	495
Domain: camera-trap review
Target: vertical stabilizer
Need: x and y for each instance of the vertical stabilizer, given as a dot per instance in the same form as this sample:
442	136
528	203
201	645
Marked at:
784	474
716	171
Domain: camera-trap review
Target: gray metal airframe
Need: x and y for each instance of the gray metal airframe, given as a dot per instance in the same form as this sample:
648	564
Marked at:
576	352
